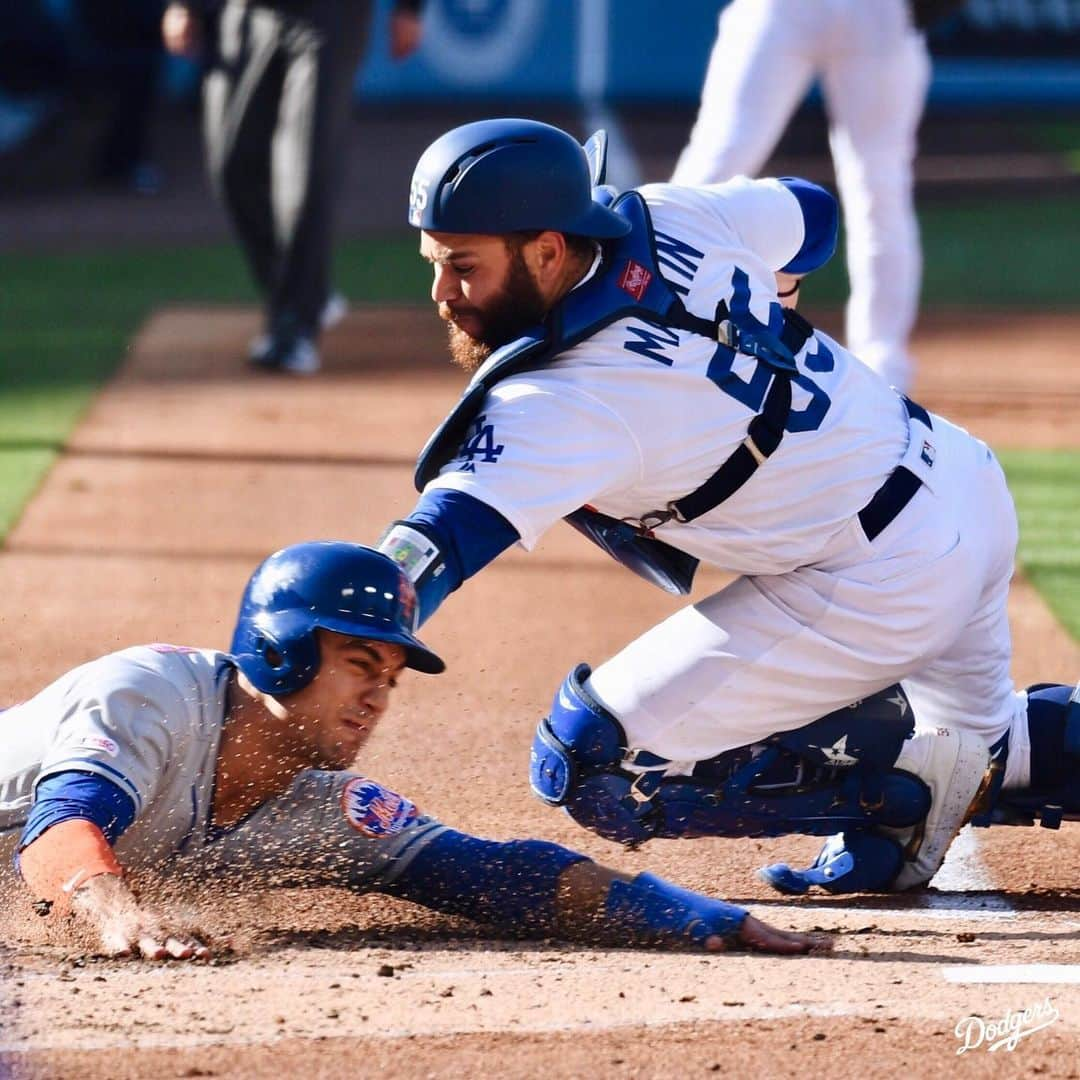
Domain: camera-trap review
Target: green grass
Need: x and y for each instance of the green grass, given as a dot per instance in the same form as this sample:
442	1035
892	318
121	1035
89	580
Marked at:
982	253
65	321
1046	487
1062	135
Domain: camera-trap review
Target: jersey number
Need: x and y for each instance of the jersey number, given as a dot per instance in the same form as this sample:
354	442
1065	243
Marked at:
751	392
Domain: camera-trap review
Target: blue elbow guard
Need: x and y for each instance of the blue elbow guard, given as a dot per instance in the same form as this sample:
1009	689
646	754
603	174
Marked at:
649	906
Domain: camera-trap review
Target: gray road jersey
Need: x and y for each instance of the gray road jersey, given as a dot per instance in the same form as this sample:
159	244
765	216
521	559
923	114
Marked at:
149	719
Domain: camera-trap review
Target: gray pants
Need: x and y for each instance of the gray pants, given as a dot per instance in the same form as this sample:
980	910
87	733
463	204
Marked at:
275	117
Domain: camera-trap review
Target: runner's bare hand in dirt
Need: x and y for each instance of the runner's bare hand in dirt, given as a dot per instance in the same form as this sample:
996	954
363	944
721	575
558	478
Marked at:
125	927
762	937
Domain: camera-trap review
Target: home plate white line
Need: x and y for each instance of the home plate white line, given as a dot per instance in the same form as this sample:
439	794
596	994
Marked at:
957	908
1013	973
964	871
963	868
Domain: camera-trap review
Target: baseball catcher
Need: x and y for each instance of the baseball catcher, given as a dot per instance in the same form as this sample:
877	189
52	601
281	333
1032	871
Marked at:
638	369
236	766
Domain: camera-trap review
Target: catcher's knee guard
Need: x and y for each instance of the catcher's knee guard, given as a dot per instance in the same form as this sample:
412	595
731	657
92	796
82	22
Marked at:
576	762
581	761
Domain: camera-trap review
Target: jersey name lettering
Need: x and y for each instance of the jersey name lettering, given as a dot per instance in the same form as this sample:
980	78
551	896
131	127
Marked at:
653	338
679	259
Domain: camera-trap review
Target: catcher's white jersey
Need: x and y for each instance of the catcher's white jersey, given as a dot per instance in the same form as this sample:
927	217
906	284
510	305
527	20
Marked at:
637	415
149	719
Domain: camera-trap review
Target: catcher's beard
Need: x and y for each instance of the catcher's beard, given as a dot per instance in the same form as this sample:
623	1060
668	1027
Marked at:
515	307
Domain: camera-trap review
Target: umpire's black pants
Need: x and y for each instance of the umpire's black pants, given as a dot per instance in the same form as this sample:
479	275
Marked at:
275	119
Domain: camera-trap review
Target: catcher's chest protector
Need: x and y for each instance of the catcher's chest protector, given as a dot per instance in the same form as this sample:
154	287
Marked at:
627	285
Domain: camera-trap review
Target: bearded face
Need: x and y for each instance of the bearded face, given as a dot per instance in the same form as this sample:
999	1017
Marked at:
476	331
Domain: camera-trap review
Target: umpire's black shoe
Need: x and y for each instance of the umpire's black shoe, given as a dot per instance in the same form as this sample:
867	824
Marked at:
291	356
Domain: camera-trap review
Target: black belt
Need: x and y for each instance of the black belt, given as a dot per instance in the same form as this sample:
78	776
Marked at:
897	491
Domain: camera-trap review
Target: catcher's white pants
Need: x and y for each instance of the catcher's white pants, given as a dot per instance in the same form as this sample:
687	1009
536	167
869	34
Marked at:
874	70
923	604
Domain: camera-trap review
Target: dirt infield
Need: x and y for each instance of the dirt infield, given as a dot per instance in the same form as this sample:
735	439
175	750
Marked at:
188	469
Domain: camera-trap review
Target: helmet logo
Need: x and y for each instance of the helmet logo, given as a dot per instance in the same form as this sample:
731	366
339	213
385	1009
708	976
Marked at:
634	279
407	600
418	199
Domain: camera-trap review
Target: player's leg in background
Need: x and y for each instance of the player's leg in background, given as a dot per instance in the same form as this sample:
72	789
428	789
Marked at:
760	68
241	93
875	81
310	152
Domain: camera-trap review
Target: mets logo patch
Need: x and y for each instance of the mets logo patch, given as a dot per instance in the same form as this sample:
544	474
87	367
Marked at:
374	810
406	595
634	279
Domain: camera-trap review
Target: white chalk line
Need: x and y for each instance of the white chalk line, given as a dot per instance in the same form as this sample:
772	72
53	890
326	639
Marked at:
1044	974
731	1014
964	871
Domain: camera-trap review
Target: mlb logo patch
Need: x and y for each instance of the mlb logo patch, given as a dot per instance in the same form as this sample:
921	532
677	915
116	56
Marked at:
374	810
634	279
927	454
97	742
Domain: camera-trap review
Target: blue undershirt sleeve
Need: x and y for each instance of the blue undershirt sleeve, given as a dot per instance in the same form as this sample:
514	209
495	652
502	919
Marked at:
512	883
68	795
466	534
821	218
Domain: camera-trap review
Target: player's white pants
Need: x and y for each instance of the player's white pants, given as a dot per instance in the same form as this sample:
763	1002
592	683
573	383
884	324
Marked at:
874	70
924	604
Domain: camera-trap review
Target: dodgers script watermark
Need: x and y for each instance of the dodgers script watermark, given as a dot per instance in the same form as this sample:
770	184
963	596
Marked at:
1008	1031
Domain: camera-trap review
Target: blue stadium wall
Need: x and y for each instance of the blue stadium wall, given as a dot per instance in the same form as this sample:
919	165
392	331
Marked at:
992	53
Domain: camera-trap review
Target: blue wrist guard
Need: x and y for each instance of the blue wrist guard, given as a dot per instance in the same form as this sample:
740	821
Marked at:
649	906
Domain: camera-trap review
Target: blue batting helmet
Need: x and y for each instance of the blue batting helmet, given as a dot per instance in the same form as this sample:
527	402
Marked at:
500	176
330	585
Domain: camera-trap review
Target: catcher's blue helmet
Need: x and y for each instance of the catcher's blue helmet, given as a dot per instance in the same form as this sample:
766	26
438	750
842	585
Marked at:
500	176
326	584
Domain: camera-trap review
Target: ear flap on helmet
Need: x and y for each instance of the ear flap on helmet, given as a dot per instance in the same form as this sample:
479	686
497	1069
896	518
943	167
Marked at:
278	652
